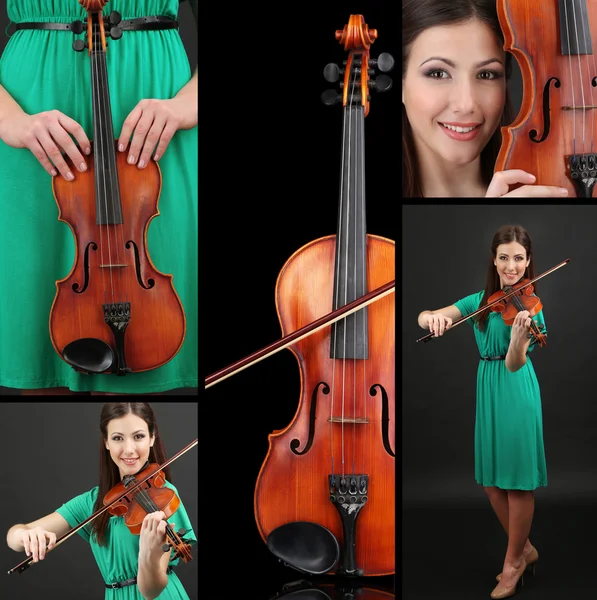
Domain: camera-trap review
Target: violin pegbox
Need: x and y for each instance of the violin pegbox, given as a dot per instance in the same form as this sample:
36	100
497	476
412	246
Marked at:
356	83
93	5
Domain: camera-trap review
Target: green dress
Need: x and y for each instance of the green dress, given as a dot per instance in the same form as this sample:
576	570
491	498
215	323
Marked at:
509	452
42	72
118	560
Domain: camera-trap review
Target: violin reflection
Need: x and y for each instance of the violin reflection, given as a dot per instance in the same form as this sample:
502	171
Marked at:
339	589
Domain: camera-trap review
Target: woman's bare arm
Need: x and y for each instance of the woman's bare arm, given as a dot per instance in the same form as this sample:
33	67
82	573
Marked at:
53	523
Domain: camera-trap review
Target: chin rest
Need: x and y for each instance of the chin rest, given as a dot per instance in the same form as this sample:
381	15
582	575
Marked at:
89	355
307	547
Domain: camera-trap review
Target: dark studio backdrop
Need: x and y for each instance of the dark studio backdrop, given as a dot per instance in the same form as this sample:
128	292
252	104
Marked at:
448	523
51	455
269	172
188	32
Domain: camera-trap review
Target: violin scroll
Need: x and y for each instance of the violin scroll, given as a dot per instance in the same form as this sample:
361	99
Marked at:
357	38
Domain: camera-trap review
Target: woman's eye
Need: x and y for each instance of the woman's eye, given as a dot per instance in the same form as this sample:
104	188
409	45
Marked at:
437	74
490	75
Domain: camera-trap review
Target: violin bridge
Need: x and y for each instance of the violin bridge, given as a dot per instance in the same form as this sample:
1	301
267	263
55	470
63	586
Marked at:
348	493
111	266
361	420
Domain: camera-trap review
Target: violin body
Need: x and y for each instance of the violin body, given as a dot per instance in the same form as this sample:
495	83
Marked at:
293	481
553	135
163	499
523	300
156	328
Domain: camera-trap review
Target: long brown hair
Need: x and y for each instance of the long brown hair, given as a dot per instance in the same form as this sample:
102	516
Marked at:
417	16
109	474
505	235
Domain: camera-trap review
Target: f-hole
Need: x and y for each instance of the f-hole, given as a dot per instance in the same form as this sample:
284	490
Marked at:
546	109
295	443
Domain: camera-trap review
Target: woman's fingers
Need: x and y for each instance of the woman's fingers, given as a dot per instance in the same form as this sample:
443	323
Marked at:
502	180
537	191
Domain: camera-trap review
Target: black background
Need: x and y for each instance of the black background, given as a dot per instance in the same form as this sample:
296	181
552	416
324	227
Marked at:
448	523
51	456
269	159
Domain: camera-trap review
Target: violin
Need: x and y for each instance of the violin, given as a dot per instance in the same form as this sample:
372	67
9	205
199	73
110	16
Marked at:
134	497
522	300
114	313
501	300
554	133
330	474
152	496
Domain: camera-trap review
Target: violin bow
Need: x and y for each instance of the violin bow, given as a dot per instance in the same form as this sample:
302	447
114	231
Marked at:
301	333
28	561
431	335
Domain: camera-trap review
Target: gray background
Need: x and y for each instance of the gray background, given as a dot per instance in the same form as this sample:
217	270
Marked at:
188	33
51	456
445	250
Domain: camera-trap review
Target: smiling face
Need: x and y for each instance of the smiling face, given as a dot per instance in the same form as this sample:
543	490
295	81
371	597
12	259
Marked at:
454	90
511	262
129	443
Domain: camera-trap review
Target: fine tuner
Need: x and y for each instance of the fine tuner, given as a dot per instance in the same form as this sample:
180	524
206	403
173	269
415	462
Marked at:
382	83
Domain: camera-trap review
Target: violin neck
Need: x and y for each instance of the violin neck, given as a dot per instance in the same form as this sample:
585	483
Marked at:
349	335
107	191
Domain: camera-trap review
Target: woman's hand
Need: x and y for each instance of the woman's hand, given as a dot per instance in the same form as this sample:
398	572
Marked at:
152	536
502	180
436	323
46	134
154	123
521	328
34	542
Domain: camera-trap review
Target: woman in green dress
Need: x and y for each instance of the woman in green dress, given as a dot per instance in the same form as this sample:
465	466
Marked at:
134	567
46	114
509	452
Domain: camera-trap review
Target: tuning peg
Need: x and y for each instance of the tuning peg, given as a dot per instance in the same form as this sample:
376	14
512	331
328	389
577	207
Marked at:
381	84
79	45
114	18
181	531
332	72
166	547
77	27
384	62
115	33
330	97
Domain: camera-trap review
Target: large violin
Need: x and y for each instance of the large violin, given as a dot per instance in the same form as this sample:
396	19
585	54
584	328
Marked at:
553	136
114	312
135	497
327	484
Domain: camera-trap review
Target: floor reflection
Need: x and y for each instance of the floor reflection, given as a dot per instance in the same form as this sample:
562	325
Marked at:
336	589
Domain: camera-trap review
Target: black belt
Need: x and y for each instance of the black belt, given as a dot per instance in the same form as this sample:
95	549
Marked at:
120	584
502	357
139	24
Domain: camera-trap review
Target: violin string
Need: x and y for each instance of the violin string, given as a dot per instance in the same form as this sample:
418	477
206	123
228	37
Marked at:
587	38
101	153
582	87
571	78
97	152
351	191
118	227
